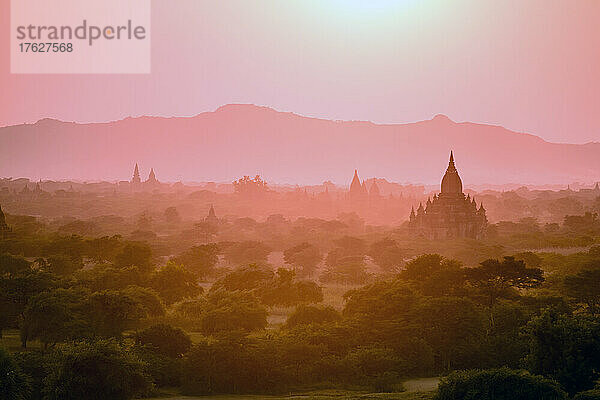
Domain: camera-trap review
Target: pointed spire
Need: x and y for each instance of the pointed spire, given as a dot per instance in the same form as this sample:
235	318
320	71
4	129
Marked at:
136	175
451	166
355	186
212	216
152	176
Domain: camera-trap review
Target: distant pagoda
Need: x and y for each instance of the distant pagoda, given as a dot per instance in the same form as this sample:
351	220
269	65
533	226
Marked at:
151	181
450	214
358	191
136	180
211	218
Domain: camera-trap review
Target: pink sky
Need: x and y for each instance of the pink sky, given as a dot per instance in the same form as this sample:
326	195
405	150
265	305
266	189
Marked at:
530	66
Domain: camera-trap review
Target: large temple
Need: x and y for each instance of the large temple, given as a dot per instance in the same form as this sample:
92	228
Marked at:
449	214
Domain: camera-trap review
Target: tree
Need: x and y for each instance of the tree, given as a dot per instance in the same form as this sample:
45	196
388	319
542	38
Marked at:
95	371
112	311
15	292
248	278
584	287
248	252
349	270
565	348
498	384
147	298
450	326
104	248
172	215
283	289
56	316
134	254
250	186
495	278
305	257
165	339
10	265
310	314
14	383
376	367
232	311
200	260
173	283
435	275
387	254
63	265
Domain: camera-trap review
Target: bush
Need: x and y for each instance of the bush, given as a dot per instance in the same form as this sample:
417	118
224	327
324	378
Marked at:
498	384
95	371
165	339
588	394
14	384
307	314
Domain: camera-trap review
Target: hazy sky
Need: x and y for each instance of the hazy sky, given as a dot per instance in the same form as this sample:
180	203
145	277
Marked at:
530	66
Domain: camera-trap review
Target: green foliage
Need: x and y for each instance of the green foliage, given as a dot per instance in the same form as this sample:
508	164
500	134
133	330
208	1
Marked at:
200	260
387	254
349	270
111	312
309	314
10	264
378	368
14	384
231	312
450	326
496	278
248	252
15	292
164	339
234	364
134	254
174	283
95	371
222	311
593	394
271	289
248	278
498	384
584	287
565	348
286	291
305	257
102	277
63	265
56	316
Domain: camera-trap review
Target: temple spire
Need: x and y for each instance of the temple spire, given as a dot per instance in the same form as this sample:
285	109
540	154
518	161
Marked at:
136	175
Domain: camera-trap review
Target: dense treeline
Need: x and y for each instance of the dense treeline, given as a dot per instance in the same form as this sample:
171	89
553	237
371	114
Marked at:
126	314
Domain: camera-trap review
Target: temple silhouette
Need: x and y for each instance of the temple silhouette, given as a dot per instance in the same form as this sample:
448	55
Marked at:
150	183
450	214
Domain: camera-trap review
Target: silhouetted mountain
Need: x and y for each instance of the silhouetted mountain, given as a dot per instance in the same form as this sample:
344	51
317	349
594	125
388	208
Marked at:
240	140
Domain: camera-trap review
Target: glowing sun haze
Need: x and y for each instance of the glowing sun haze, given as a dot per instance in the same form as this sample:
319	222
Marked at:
526	65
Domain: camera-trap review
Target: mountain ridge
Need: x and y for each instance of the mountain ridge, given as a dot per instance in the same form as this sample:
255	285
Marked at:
245	139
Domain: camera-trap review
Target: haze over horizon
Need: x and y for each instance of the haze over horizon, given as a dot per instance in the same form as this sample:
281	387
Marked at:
530	67
287	148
